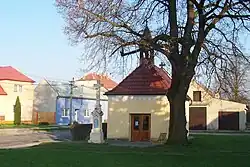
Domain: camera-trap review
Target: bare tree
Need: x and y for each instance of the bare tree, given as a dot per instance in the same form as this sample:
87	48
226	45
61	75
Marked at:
190	34
232	82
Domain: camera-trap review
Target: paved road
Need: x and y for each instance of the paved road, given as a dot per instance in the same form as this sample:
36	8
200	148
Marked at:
29	138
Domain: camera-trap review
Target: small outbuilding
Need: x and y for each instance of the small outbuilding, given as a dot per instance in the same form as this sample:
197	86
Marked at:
208	111
138	108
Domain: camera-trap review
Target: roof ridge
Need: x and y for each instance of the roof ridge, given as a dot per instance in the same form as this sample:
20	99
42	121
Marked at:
5	66
106	80
96	74
208	90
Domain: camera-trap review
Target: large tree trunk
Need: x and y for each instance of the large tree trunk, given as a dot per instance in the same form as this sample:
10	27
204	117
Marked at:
177	96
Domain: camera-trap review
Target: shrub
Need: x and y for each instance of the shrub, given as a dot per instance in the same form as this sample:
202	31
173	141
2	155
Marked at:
17	112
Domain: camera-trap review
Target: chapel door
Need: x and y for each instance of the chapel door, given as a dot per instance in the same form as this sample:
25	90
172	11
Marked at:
140	127
145	129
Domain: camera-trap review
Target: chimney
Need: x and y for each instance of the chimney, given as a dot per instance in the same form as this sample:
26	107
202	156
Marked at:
145	51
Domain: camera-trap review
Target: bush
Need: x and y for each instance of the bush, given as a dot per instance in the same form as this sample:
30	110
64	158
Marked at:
17	112
82	131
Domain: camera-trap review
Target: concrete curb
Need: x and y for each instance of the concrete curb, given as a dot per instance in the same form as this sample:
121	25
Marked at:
27	145
21	145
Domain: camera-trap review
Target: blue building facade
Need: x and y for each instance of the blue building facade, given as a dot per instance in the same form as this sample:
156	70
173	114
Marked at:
81	110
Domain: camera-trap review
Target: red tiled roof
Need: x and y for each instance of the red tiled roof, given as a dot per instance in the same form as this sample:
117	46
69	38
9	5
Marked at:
10	73
2	92
147	79
105	80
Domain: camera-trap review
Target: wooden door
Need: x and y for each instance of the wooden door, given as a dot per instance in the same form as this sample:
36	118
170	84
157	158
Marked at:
145	129
140	127
228	120
197	118
135	127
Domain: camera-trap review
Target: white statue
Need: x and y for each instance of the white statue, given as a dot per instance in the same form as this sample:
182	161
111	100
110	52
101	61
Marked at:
96	134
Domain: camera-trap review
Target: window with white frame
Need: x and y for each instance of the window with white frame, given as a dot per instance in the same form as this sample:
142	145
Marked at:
15	88
20	88
86	112
65	112
76	114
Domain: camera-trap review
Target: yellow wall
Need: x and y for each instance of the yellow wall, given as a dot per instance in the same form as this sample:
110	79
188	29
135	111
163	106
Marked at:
120	108
26	98
223	105
205	96
2	103
214	105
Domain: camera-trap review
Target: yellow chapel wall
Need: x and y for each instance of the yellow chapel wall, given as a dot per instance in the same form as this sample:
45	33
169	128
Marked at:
120	108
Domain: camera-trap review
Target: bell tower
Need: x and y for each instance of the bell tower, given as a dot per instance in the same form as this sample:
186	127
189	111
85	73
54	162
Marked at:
146	53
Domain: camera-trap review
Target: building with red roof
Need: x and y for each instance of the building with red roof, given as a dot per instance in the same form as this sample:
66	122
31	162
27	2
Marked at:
14	83
138	105
92	78
138	108
11	74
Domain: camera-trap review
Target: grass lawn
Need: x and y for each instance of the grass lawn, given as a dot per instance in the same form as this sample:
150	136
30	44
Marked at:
35	127
205	151
7	126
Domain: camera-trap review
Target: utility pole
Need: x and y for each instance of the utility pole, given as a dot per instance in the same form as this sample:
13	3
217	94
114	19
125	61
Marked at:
72	86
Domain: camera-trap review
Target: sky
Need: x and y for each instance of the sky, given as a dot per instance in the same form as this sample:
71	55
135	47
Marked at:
32	41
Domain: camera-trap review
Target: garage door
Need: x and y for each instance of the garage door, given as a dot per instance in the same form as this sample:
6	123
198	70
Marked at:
197	118
228	120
